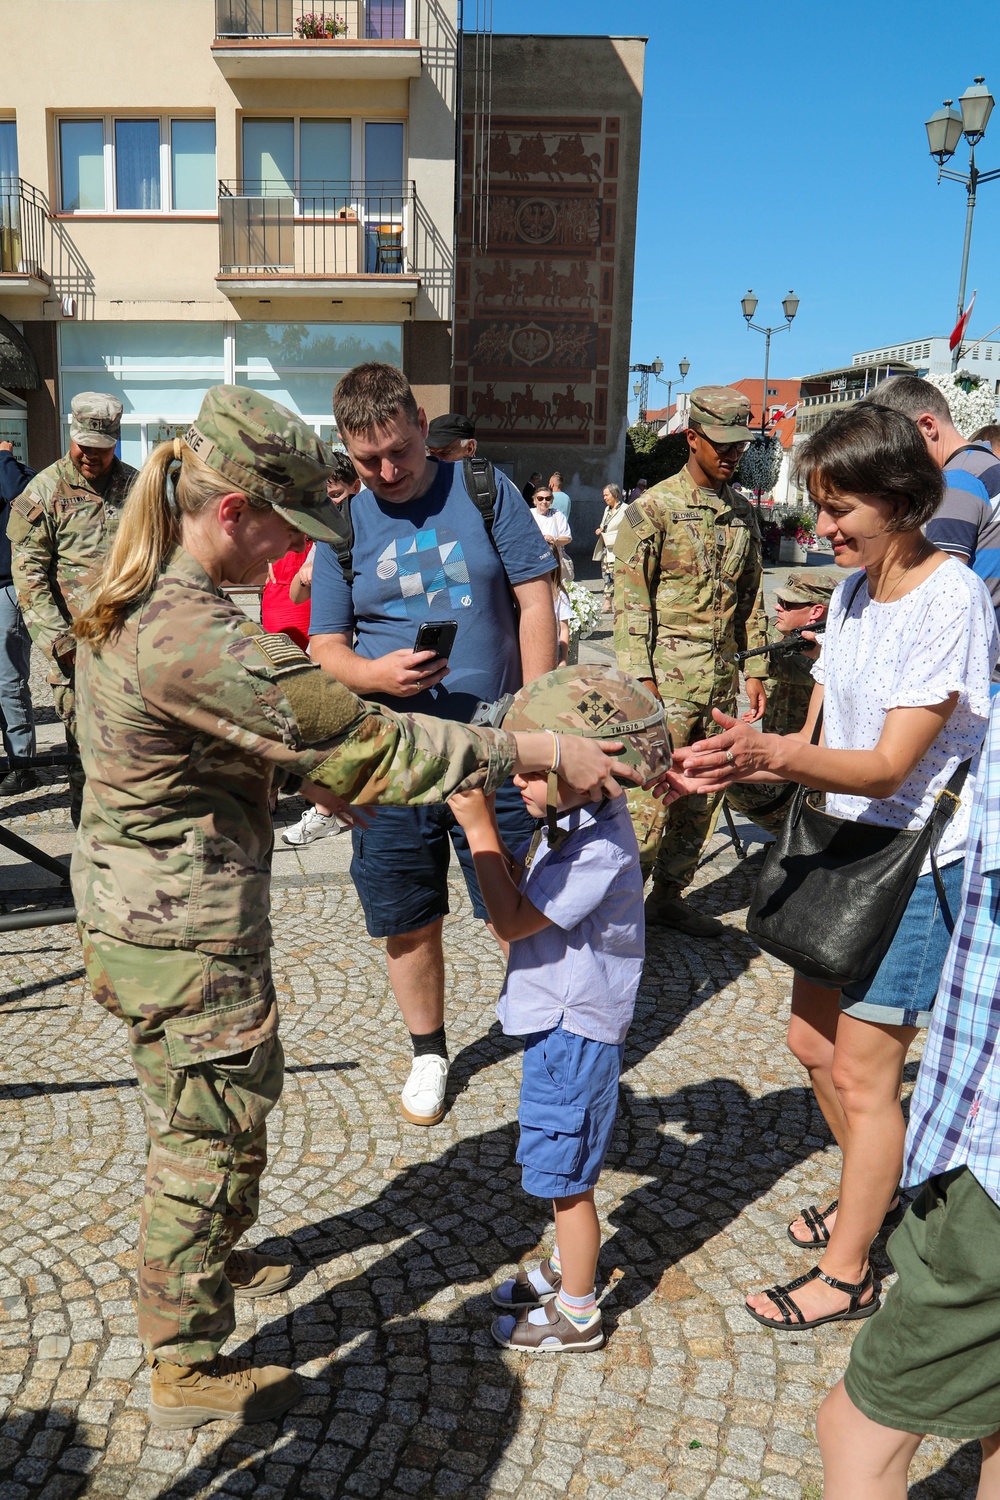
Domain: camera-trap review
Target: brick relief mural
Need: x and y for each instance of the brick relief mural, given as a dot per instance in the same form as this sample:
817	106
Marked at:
536	278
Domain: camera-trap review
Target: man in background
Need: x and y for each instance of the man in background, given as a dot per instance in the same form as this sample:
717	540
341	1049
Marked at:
17	718
451	438
991	435
528	490
60	528
421	552
967	522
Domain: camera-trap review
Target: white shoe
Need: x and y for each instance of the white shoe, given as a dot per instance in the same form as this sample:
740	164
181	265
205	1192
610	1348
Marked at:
422	1099
311	826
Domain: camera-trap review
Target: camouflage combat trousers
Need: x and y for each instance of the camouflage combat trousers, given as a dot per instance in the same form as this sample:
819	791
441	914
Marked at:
671	838
64	698
203	1033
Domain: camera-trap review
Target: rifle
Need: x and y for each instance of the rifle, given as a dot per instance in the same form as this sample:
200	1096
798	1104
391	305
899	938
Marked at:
793	644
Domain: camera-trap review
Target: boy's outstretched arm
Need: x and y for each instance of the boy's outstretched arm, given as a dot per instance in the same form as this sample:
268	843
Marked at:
512	915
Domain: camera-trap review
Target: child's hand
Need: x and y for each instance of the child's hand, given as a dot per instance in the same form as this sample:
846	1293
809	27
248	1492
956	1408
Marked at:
472	809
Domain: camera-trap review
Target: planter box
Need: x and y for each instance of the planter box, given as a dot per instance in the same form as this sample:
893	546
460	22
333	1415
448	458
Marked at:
791	552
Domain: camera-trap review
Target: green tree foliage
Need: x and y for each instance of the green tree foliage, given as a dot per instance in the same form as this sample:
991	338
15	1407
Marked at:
650	457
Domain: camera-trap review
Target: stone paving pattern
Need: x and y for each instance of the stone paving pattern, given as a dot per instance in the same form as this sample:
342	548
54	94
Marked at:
399	1232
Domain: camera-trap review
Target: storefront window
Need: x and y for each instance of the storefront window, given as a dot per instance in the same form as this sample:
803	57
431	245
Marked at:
298	364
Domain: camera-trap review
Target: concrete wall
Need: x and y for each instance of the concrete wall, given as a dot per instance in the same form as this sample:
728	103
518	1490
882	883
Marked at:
546	255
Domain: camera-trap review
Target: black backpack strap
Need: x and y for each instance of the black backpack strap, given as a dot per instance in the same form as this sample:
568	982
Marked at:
343	545
481	483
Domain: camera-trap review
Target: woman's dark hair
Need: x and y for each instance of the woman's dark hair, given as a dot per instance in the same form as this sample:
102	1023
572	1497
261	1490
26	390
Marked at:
873	450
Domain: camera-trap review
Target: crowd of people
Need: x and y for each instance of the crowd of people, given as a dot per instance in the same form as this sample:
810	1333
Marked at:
560	790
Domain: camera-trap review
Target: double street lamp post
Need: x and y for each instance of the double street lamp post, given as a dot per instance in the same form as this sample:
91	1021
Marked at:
641	386
789	307
945	129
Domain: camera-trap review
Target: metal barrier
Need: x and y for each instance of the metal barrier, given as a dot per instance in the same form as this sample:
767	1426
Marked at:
355	20
48	916
315	228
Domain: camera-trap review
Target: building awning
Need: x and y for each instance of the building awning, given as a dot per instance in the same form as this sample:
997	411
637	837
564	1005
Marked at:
17	363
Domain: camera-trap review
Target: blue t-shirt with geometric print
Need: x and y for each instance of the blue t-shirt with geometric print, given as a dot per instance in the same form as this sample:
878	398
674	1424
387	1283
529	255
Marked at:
431	559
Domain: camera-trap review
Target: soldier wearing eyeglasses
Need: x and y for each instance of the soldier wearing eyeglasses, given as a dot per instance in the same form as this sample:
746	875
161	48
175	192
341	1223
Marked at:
688	595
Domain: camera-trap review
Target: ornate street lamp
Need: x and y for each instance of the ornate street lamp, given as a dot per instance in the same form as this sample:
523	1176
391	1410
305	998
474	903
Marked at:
945	129
789	307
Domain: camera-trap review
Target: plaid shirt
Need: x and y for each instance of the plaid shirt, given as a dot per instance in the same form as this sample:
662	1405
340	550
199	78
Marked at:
955	1110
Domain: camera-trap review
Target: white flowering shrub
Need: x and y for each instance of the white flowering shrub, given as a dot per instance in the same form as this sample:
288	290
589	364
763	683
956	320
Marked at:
584	611
969	397
761	464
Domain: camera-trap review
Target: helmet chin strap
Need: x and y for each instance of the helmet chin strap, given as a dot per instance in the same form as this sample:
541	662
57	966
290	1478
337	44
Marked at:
555	833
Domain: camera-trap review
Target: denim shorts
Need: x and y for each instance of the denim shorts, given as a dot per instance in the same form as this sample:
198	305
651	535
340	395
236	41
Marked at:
902	989
400	862
569	1101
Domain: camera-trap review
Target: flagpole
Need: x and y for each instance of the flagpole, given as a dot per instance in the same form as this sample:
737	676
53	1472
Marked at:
973	176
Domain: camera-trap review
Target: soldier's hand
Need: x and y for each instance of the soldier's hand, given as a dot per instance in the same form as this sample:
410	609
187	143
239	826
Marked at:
758	700
404	673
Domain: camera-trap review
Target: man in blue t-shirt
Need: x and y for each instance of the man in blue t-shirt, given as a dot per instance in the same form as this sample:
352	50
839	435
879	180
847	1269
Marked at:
967	522
421	552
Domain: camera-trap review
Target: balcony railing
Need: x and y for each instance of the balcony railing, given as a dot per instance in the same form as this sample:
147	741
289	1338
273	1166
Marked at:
353	20
23	228
316	229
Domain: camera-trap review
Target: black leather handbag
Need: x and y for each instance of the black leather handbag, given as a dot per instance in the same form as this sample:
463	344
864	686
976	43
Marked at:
832	892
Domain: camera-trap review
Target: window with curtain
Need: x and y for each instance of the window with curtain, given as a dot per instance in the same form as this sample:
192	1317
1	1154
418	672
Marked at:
81	157
192	163
8	153
384	152
137	164
269	157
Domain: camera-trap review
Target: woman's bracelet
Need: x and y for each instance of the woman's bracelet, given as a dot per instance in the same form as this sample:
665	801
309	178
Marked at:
556	752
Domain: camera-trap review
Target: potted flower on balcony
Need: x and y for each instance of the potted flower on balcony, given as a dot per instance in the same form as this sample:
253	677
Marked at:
315	25
797	534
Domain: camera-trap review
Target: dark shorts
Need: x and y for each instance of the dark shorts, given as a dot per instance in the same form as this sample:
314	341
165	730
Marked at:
929	1360
569	1101
902	989
400	863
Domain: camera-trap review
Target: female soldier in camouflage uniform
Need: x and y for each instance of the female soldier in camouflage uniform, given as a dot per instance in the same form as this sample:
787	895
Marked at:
185	711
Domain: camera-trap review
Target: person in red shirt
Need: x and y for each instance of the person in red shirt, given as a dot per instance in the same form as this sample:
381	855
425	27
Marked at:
285	607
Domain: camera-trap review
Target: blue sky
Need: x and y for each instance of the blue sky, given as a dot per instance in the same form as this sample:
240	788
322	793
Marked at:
784	146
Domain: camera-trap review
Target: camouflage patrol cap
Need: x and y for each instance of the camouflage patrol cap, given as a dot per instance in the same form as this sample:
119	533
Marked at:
600	703
268	453
808	588
722	413
95	420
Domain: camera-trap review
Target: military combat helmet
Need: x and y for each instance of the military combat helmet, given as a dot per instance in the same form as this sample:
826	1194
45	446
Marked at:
599	703
269	453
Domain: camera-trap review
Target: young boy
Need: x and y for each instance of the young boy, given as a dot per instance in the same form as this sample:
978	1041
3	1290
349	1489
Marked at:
572	913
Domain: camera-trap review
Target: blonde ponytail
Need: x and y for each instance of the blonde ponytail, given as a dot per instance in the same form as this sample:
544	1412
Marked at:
149	529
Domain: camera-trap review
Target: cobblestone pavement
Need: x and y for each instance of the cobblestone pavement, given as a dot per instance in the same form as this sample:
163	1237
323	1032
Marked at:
398	1233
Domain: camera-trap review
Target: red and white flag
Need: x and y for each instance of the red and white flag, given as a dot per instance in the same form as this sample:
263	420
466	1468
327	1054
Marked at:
958	332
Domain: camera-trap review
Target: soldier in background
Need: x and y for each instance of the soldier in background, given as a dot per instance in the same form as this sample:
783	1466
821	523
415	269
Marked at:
688	594
60	528
802	604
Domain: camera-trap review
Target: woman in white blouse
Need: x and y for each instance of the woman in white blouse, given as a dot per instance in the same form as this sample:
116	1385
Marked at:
604	552
903	682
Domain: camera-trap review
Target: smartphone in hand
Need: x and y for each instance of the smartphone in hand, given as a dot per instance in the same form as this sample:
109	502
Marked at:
437	636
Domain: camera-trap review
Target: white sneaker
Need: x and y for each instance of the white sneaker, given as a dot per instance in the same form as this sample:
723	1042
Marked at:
422	1100
311	826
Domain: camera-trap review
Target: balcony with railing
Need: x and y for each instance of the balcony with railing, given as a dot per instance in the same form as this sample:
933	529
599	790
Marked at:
311	238
316	38
24	240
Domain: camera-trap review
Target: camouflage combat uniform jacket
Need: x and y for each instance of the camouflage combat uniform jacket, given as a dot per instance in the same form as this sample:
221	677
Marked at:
60	528
688	589
182	719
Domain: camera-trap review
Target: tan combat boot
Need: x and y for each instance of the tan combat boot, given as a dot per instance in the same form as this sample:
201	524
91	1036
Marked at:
252	1275
664	911
227	1390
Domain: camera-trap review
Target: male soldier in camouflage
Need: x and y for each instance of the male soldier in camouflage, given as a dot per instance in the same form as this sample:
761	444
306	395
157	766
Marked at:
688	594
186	711
802	604
60	528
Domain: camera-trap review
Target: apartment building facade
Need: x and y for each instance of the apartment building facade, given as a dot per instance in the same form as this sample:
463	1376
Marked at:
196	191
